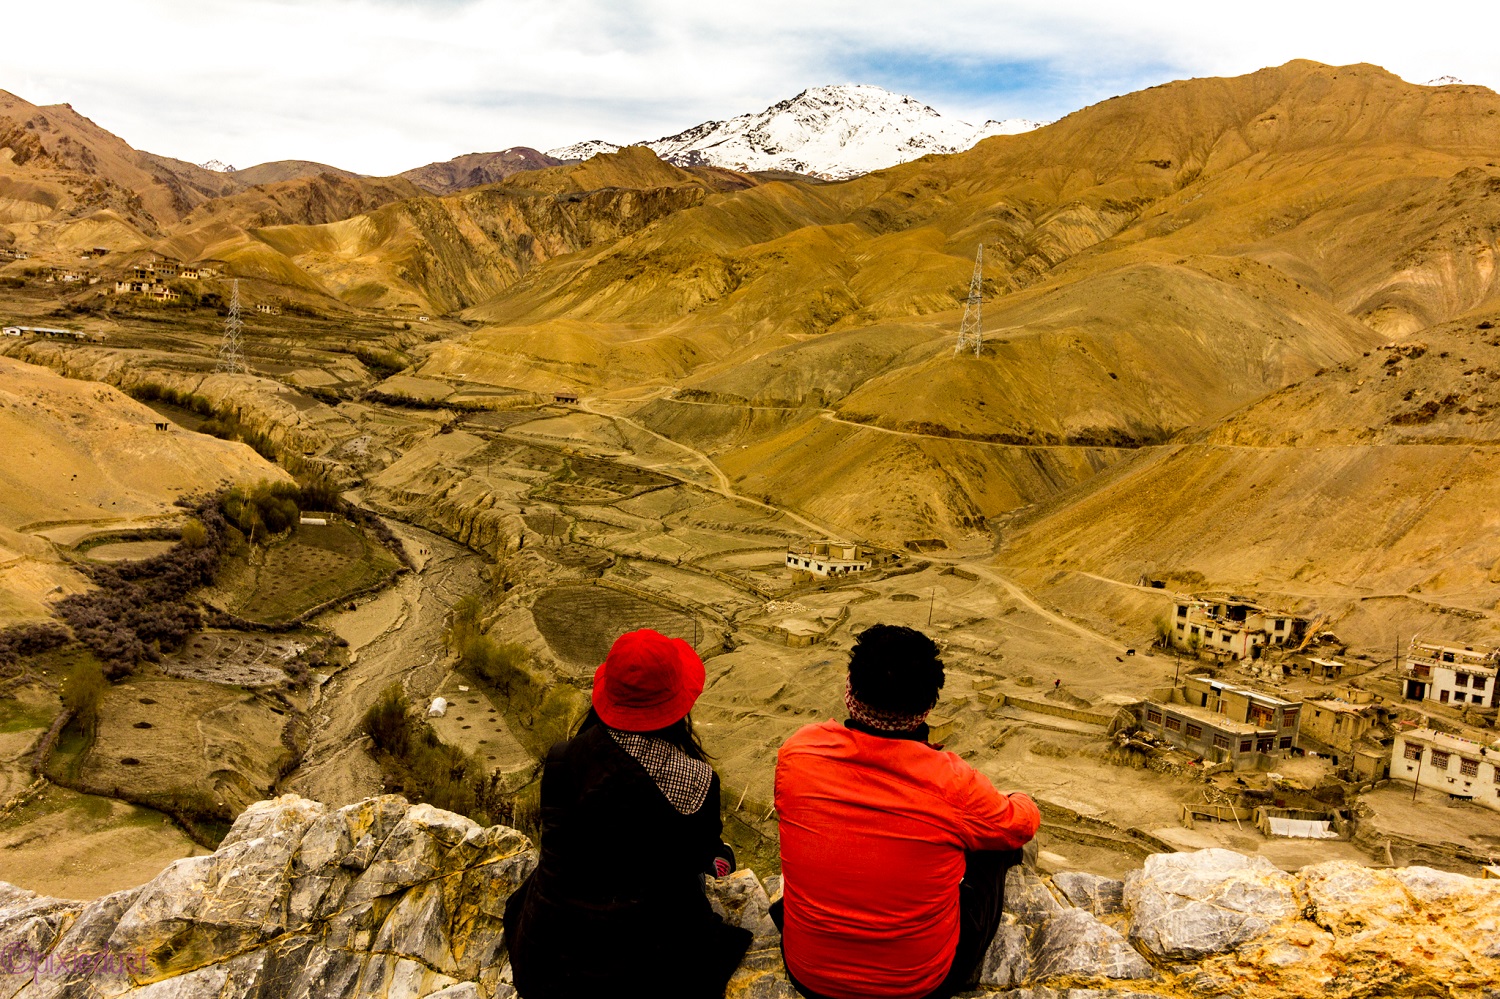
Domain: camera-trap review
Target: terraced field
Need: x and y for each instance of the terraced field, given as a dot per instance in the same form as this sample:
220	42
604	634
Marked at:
580	623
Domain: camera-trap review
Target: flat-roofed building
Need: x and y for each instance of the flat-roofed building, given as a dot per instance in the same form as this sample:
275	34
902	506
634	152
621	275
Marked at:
1452	674
825	559
1453	764
1223	722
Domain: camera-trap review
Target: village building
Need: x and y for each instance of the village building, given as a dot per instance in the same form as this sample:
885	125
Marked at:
1231	627
1452	674
1223	722
825	559
1354	727
565	398
267	308
45	331
151	289
1453	764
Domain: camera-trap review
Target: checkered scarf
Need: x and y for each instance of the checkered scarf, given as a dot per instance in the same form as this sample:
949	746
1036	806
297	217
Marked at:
884	721
682	780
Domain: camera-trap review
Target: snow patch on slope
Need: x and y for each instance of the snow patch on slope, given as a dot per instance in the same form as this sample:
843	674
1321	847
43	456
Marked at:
587	149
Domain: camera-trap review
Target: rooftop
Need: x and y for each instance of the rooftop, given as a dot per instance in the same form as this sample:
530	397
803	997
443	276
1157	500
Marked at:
1225	685
1338	705
1447	740
1211	719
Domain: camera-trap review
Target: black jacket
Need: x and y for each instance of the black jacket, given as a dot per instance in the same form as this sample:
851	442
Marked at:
616	904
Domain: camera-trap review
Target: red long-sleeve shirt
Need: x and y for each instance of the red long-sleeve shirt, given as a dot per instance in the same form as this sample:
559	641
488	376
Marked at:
873	834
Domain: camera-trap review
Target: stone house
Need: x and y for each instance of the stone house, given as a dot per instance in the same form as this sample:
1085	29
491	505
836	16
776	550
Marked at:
1452	674
1223	722
1232	627
825	559
1453	764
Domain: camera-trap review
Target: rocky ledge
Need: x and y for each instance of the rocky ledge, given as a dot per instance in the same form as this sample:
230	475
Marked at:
386	899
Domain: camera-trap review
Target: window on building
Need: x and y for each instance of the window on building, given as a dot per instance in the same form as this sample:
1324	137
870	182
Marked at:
1443	696
1459	697
1175	724
1196	630
1261	715
1288	717
1280	625
1412	751
1265	744
1286	742
1461	680
1182	610
1468	767
1153	716
1181	626
1224	638
1439	760
1194	731
1479	682
1497	774
1222	742
1244	745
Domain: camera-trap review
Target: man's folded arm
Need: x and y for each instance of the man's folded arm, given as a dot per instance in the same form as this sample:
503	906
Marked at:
998	821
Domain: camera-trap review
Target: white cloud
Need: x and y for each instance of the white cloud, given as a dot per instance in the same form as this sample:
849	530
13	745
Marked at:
382	85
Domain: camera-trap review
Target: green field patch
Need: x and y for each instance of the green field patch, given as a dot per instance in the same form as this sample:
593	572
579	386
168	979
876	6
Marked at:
292	576
17	716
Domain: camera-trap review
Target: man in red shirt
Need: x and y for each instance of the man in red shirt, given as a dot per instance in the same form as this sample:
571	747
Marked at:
893	853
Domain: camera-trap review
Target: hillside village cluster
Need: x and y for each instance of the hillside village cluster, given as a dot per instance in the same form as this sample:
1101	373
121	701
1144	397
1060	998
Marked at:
145	277
1436	729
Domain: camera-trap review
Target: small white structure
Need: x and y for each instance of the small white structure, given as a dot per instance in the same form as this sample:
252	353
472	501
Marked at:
314	521
825	558
438	707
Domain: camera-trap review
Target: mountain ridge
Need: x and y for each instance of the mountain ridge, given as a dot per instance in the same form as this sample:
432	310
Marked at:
830	132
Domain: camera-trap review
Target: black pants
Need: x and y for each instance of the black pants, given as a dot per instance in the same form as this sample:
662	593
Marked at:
981	898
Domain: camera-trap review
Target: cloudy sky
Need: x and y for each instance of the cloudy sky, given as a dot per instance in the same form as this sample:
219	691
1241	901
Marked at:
379	86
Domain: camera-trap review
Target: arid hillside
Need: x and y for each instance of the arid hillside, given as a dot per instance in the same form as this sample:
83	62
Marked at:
85	458
1153	264
1364	492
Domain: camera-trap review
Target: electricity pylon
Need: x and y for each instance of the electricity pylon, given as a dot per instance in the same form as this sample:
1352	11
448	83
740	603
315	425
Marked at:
969	333
231	353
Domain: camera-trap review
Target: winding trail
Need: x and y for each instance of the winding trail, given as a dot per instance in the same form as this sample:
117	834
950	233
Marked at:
407	649
1011	587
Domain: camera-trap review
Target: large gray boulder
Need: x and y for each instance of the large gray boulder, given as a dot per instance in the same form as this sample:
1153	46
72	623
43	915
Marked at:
1185	906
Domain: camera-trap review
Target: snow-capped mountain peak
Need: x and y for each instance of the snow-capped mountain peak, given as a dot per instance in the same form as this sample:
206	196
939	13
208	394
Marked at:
832	132
217	166
586	149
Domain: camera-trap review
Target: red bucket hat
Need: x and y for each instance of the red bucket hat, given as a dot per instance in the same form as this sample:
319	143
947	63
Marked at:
647	682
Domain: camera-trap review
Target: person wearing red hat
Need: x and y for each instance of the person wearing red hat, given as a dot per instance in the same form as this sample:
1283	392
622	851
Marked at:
893	852
629	828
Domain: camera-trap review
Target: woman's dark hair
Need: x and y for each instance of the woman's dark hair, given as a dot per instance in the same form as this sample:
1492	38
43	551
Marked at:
893	668
680	734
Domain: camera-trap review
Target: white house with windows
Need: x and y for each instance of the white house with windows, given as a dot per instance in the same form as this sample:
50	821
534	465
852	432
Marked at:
825	559
1231	627
1452	764
1457	675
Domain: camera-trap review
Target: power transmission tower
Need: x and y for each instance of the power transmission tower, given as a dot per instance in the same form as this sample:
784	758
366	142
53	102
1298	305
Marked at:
231	354
969	333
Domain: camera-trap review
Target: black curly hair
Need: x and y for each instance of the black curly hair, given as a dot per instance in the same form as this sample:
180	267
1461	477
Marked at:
894	668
